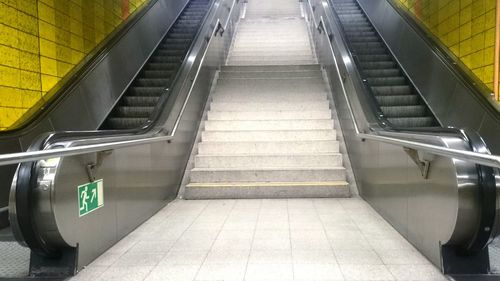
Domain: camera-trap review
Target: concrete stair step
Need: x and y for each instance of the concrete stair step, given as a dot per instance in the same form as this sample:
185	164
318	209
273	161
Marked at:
283	57
270	53
270	62
265	97
303	135
260	106
269	74
259	190
301	174
271	86
271	68
268	125
255	161
268	115
268	147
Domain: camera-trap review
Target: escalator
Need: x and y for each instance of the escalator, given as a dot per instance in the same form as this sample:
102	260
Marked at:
392	91
149	89
140	170
152	84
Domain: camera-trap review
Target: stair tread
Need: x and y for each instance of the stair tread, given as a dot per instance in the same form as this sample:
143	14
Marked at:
249	184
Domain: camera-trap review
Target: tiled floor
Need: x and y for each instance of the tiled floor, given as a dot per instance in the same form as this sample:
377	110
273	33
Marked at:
299	239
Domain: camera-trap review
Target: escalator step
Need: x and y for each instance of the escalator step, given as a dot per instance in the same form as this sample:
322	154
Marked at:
140	101
363	39
391	90
146	91
166	59
180	36
378	64
152	82
134	111
382	72
412	121
397	100
157	73
367	45
404	111
161	66
167	52
372	51
374	58
121	123
387	81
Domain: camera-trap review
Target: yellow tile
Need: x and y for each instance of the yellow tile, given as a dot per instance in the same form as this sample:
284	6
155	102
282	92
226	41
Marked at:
30	80
488	74
46	13
10	97
47	31
9	56
30	98
48	82
8	35
48	66
47	48
8	15
27	23
28	43
8	116
29	61
9	76
28	6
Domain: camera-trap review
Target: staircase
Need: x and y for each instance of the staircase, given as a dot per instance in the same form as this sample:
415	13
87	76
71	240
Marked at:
269	131
397	98
139	101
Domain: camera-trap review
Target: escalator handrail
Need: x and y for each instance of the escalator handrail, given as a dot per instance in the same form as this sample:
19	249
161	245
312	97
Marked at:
475	157
30	156
478	158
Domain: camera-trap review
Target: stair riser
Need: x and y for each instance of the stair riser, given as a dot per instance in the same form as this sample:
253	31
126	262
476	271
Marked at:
262	98
269	115
269	125
270	135
268	161
250	75
289	148
269	176
267	192
257	107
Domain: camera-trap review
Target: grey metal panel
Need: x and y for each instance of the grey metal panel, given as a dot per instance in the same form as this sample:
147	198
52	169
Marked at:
73	114
451	100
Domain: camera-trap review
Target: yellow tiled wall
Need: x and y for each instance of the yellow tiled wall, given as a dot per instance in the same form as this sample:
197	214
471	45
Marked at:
41	41
466	27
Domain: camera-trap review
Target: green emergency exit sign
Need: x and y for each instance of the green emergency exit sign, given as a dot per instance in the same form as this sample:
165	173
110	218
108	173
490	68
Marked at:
90	197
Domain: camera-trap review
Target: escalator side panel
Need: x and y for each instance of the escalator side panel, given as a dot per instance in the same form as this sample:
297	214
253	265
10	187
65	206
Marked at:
452	98
156	77
395	95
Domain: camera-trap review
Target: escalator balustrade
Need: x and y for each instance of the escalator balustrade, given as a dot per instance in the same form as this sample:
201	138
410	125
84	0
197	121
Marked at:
395	95
138	102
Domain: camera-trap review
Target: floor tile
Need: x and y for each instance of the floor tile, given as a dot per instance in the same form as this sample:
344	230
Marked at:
173	273
184	257
313	256
269	272
416	273
126	273
228	256
317	272
270	256
221	272
366	272
364	257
